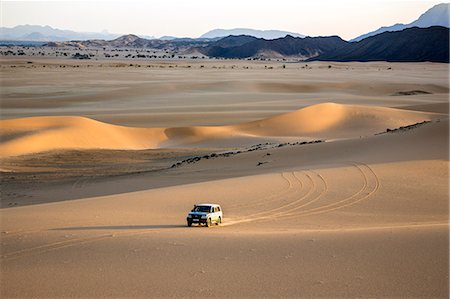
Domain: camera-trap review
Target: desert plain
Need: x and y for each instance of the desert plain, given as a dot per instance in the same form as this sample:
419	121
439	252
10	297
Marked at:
333	178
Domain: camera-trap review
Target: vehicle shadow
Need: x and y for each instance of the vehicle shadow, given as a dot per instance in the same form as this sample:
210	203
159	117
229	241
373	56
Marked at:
122	227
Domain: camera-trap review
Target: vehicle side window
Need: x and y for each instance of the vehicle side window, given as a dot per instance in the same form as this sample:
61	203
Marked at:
215	210
218	209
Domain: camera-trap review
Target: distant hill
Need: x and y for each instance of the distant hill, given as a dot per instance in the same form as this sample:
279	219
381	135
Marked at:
167	37
243	46
266	34
127	41
438	15
47	33
124	41
22	43
234	41
411	44
134	41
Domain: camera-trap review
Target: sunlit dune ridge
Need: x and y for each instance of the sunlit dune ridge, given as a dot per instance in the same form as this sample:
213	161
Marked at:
326	121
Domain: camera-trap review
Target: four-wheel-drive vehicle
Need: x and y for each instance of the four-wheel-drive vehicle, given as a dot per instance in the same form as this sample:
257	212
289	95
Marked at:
205	213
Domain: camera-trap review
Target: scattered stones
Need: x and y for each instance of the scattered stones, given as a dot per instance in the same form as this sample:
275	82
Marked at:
260	146
405	128
410	93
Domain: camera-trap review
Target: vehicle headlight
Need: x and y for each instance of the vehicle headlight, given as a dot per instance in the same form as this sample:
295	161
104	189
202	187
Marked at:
189	216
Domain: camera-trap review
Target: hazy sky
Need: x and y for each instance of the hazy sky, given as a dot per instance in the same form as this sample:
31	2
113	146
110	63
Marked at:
192	18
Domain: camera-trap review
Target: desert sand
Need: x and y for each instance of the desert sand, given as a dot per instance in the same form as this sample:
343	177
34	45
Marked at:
100	165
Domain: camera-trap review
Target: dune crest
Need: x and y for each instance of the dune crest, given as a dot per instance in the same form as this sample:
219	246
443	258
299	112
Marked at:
328	120
312	119
39	134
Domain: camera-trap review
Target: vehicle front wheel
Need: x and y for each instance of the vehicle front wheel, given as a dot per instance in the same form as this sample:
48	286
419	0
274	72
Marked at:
189	223
219	221
208	222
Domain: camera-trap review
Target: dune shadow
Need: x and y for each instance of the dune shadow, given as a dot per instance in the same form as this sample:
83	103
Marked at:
121	227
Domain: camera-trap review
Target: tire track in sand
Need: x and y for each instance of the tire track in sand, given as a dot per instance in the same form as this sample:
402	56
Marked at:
291	187
233	220
275	212
296	187
362	194
268	196
79	183
370	187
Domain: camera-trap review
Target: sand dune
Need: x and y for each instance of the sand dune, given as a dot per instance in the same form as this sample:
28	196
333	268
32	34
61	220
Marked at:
38	134
361	215
331	120
165	94
317	220
328	120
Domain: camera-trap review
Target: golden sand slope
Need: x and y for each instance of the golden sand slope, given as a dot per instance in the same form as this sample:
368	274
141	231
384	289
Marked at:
364	217
39	134
330	120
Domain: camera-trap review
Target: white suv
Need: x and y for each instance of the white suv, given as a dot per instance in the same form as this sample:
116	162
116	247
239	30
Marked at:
206	213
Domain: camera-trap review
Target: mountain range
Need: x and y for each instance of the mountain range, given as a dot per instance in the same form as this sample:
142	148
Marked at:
417	43
244	46
47	33
266	34
410	44
438	15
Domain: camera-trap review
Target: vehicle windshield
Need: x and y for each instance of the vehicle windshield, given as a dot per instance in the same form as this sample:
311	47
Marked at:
205	209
